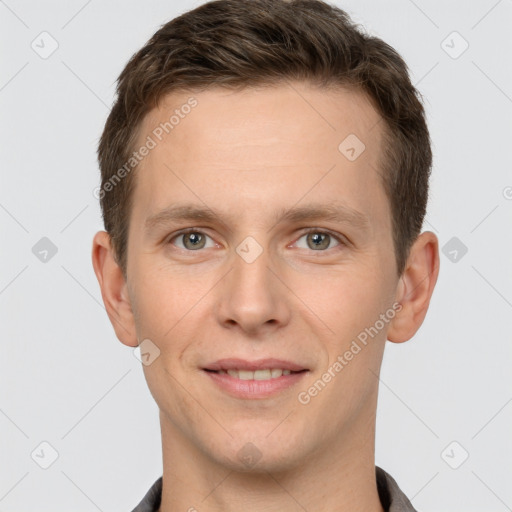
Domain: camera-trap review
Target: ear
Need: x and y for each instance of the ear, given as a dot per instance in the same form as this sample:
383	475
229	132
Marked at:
415	287
113	289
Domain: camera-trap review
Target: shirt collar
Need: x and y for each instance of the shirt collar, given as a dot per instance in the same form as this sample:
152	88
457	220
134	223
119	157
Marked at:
391	496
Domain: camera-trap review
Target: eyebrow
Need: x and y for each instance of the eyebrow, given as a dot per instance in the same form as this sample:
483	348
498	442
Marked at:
335	212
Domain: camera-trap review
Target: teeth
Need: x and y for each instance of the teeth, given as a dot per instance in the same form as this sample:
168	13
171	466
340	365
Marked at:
262	375
266	374
245	375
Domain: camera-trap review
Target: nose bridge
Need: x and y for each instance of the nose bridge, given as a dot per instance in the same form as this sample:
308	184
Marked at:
250	293
250	266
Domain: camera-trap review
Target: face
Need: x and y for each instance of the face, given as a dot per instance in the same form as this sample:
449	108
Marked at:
292	261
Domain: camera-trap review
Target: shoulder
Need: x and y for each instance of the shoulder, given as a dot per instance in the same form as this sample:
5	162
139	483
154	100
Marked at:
151	501
391	496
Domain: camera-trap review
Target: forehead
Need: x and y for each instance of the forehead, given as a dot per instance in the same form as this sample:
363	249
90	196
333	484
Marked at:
281	142
295	115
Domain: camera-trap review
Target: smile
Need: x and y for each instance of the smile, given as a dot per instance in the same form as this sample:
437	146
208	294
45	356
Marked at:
261	378
265	374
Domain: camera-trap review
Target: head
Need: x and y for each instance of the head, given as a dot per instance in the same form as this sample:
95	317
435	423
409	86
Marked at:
304	145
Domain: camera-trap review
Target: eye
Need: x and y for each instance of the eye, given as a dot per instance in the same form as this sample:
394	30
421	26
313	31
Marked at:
192	240
319	240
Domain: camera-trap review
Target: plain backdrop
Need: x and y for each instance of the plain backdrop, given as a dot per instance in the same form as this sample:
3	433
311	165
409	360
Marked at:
445	404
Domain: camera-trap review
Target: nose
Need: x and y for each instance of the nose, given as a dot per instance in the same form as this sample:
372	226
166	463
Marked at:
251	296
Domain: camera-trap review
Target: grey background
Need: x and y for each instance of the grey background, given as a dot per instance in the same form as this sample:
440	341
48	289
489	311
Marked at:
66	380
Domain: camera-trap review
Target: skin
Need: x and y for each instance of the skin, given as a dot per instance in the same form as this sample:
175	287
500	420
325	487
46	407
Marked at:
248	155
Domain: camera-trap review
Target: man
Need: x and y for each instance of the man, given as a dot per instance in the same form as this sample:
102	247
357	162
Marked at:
264	181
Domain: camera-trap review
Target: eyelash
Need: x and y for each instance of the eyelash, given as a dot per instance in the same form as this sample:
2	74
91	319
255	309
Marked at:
308	231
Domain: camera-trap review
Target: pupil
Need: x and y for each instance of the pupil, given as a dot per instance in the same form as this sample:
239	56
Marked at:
319	240
316	238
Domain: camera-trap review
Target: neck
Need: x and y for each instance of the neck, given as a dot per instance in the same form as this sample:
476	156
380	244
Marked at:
338	476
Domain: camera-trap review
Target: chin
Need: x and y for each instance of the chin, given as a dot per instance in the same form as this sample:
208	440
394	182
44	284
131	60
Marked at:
274	453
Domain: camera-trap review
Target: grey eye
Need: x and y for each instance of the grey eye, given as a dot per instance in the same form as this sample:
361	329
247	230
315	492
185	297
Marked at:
192	240
196	240
318	240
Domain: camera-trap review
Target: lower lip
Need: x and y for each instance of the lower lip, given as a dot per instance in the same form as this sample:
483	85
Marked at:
254	388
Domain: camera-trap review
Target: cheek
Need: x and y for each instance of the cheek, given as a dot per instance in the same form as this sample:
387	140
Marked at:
161	299
353	304
345	300
174	307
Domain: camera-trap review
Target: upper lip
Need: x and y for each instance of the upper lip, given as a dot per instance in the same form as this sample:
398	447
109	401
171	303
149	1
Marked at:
260	364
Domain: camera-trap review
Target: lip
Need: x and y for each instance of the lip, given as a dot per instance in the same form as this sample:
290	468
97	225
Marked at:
254	389
260	364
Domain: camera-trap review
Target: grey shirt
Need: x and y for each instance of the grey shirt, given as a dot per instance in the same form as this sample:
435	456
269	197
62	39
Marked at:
391	497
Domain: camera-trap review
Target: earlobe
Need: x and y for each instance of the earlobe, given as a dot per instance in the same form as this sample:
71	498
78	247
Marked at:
415	287
113	289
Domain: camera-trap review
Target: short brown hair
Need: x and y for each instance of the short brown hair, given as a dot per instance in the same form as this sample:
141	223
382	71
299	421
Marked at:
240	43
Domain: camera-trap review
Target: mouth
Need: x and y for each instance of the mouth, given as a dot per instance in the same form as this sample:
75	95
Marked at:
265	374
254	379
